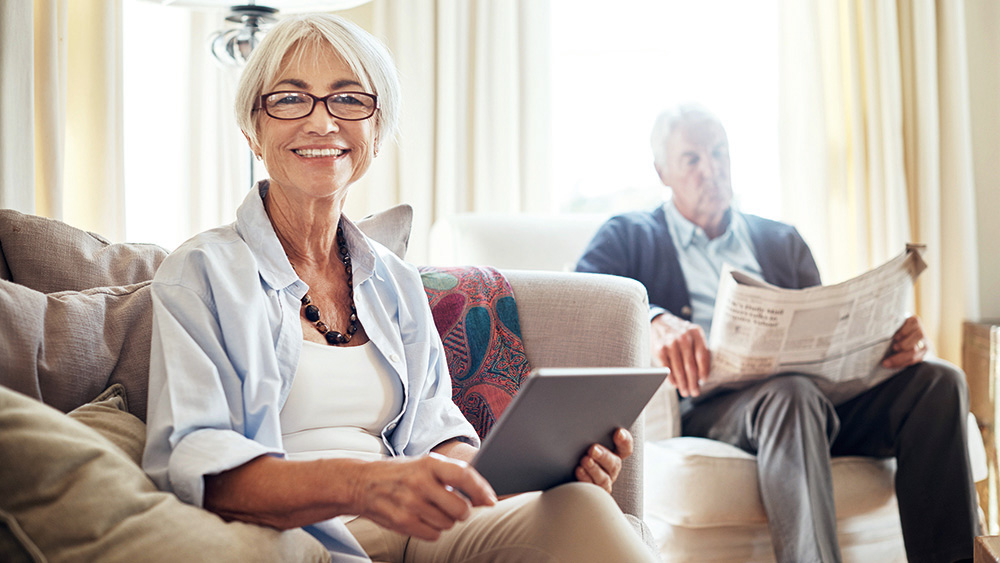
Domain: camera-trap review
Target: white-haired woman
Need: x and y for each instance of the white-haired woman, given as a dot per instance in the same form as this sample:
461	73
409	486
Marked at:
296	377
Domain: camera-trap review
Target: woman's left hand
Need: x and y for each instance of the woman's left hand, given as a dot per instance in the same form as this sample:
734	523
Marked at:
601	466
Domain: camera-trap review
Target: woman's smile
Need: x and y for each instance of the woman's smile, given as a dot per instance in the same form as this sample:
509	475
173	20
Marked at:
319	153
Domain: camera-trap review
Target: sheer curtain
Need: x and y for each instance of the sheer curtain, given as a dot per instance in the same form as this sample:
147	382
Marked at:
61	125
186	163
876	145
474	126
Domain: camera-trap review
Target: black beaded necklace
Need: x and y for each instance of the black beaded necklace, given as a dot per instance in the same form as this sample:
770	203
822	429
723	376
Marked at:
312	313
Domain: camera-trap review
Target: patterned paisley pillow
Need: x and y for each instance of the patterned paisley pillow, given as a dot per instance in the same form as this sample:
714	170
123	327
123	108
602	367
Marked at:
476	316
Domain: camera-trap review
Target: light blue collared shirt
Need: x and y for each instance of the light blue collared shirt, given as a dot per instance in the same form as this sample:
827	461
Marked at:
702	260
226	343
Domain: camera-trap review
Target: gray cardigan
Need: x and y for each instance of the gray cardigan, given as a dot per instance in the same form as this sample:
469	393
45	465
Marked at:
638	245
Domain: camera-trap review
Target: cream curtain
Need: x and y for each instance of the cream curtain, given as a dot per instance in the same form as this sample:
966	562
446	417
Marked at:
61	130
474	126
876	145
186	164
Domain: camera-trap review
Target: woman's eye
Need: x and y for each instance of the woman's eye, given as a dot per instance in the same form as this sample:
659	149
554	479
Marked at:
348	100
289	100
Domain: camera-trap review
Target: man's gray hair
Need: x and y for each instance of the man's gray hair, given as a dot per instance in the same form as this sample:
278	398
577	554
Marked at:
365	55
669	120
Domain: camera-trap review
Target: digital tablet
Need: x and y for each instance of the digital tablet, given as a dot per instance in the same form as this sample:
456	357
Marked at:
557	414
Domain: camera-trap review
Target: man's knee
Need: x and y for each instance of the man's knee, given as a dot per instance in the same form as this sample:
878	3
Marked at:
941	380
792	399
793	391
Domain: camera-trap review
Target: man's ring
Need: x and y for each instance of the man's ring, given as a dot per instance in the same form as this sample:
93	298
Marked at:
921	345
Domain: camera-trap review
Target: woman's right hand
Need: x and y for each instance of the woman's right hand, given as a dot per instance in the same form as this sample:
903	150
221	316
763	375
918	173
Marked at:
420	497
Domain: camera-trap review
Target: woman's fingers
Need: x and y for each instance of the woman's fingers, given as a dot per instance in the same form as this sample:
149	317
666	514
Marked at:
425	496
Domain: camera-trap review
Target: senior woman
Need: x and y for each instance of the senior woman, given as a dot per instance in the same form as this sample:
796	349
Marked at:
296	378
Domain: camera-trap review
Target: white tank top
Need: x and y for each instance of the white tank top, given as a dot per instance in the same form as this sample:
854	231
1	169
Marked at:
340	400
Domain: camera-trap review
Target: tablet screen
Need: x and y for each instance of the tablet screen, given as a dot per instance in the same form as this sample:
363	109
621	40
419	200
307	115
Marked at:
557	414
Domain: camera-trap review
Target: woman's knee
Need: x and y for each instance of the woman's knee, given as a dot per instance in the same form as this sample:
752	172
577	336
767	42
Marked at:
586	516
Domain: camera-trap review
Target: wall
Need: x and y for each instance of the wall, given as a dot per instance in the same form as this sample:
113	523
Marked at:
982	23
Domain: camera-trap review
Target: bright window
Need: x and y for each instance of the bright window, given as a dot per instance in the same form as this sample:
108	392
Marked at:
616	65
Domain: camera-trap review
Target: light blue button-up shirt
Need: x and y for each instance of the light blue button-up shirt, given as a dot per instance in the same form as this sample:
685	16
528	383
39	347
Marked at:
226	344
702	259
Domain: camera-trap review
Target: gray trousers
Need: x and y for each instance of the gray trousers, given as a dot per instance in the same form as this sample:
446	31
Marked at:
917	416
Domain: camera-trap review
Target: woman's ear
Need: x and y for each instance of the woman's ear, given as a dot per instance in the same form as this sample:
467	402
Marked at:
253	147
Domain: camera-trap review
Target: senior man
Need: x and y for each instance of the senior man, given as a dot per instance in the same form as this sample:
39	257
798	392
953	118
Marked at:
677	250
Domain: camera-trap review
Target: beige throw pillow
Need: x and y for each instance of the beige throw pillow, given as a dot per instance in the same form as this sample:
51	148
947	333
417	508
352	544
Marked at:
68	493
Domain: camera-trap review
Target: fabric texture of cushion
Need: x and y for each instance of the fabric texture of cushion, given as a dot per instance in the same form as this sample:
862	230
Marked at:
476	316
390	227
69	494
108	415
49	256
687	470
66	347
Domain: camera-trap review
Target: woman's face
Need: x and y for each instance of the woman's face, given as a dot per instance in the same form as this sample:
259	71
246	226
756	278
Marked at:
318	155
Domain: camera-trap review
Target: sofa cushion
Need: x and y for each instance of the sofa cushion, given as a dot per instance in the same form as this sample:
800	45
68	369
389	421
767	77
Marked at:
49	255
108	415
64	348
67	493
683	476
391	228
476	316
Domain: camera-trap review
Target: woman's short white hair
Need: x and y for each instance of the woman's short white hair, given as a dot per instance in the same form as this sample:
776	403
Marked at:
365	55
669	120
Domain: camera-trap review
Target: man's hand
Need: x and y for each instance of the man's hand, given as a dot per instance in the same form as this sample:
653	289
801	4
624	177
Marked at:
680	345
420	497
909	345
601	466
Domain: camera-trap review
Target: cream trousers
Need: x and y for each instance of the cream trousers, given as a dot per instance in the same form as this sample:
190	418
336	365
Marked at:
576	522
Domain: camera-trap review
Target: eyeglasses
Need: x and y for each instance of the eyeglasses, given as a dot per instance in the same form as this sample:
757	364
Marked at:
349	106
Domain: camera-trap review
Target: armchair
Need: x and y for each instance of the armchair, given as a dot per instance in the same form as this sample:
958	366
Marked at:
701	497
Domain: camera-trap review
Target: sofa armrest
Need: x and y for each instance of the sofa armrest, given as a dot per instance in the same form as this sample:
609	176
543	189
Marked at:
587	320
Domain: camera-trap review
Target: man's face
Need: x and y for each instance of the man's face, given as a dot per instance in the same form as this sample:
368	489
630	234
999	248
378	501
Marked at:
696	168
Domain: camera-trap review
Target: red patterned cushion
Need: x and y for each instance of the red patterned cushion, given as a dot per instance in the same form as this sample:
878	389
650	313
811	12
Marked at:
476	316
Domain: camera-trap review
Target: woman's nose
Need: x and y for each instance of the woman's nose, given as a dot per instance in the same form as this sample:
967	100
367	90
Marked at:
321	120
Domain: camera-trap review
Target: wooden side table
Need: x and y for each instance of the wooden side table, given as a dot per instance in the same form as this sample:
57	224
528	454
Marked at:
981	363
986	549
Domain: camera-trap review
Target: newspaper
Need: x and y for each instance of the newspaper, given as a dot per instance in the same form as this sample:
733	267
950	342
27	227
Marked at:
839	333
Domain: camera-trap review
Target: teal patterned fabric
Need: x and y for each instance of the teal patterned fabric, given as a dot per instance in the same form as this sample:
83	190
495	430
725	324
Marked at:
476	316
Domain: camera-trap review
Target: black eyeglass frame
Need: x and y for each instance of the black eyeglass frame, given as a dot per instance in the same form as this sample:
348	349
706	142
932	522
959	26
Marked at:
262	105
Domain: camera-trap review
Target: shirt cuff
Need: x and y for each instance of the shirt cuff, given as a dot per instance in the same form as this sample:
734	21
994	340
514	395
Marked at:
655	311
208	452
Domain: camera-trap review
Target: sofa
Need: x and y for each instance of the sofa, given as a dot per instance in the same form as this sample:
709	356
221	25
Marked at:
74	351
702	502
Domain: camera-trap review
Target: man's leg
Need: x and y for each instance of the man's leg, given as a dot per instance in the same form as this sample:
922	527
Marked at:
568	524
789	425
919	417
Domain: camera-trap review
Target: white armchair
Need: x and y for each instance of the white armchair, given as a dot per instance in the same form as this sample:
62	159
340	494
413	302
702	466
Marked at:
702	502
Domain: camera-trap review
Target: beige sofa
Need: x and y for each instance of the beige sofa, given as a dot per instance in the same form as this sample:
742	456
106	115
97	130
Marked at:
701	497
75	325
